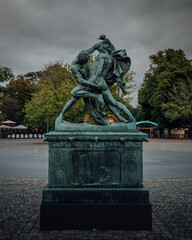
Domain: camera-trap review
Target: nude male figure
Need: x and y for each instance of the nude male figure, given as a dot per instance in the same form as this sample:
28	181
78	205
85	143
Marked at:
101	68
81	72
96	86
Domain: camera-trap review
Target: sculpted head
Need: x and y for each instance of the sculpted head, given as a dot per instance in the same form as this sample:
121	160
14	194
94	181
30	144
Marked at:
83	56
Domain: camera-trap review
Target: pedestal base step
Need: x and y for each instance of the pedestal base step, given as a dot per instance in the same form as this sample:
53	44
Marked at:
88	216
95	195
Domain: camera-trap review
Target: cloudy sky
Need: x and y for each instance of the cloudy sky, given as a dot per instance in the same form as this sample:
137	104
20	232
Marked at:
34	33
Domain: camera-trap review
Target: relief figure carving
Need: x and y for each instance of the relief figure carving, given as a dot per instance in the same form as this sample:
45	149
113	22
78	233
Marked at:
84	175
61	176
98	168
105	175
131	175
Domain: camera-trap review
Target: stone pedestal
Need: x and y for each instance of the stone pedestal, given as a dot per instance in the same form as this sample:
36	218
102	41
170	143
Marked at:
95	179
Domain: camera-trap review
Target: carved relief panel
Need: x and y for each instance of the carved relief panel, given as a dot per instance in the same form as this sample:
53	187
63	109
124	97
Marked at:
96	168
132	169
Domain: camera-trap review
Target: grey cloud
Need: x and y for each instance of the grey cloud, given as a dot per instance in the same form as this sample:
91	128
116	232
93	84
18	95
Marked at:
33	33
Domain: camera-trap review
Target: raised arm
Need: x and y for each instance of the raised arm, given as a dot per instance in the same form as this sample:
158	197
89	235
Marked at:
93	48
106	40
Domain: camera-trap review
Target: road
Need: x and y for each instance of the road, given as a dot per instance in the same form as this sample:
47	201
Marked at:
158	164
29	159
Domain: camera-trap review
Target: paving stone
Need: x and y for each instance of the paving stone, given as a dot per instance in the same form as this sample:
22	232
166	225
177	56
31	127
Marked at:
171	199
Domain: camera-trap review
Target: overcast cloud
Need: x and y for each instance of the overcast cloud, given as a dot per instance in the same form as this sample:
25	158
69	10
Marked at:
34	33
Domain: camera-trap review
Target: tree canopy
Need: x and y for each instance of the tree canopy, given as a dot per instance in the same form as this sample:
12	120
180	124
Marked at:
12	110
129	87
6	74
53	91
166	93
19	89
14	96
37	98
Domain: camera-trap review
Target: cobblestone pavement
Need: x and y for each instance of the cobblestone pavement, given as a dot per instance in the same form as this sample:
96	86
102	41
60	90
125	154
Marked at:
20	200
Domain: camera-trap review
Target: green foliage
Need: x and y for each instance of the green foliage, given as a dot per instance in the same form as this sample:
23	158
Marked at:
53	91
20	89
33	76
14	95
6	74
38	97
129	87
92	60
180	105
12	109
2	116
137	113
165	94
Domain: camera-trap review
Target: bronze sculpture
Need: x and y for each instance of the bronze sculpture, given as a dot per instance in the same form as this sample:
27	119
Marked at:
108	68
96	171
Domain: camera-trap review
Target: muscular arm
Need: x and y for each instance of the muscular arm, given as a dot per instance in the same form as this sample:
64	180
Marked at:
93	48
79	79
97	45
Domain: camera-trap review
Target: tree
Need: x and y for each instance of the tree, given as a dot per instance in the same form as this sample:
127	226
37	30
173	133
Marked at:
129	87
137	113
165	95
6	74
2	115
180	106
53	91
20	89
14	95
12	110
34	77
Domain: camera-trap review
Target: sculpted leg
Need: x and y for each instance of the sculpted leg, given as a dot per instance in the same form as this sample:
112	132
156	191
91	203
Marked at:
66	108
125	110
117	115
108	98
86	94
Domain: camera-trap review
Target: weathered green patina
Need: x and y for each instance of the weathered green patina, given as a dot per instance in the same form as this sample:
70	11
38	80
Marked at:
108	68
95	175
95	159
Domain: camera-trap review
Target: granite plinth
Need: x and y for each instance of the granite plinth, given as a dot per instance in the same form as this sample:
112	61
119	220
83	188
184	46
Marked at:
95	179
95	195
96	159
100	216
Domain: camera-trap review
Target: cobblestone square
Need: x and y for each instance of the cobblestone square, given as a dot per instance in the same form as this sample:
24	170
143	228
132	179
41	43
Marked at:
171	199
20	208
